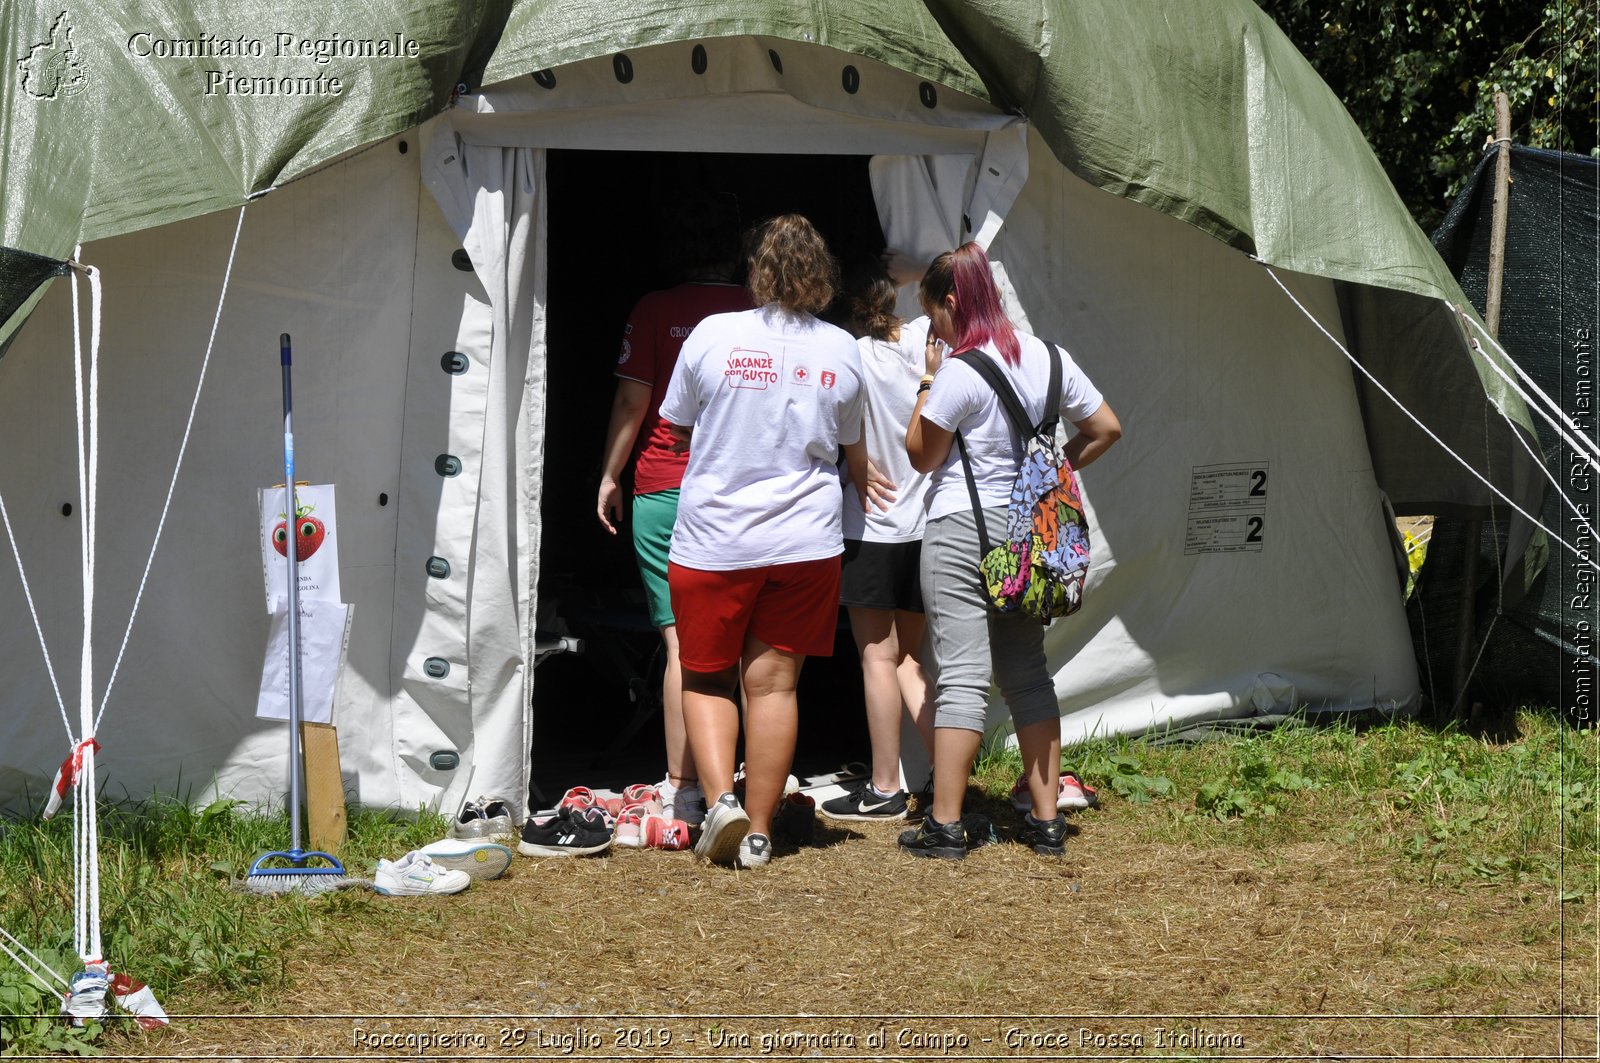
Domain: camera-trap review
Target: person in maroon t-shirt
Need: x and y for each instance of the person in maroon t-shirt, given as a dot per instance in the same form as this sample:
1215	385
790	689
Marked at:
705	235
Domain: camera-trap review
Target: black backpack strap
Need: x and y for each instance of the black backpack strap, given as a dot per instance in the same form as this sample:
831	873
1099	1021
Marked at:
972	491
1016	413
1052	395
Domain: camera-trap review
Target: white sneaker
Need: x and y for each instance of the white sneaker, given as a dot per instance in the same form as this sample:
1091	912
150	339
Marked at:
682	802
478	858
755	850
725	826
414	875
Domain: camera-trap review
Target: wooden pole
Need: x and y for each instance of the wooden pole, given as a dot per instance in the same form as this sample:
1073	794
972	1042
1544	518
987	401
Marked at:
1491	316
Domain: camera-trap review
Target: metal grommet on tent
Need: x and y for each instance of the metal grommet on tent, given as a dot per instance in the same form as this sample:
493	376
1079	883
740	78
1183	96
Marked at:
447	465
777	62
404	147
928	94
436	667
66	509
383	498
461	260
852	80
444	760
697	59
545	78
623	66
455	363
438	567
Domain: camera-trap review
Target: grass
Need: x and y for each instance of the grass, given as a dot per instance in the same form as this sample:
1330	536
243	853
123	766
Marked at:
1438	805
1390	870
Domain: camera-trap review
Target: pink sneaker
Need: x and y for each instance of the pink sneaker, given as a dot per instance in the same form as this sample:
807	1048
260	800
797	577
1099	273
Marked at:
663	833
642	799
578	798
630	833
1072	794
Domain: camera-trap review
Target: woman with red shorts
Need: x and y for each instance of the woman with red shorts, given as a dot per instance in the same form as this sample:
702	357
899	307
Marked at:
770	395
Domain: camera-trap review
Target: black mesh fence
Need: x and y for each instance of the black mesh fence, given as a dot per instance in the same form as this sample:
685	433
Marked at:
21	273
1536	617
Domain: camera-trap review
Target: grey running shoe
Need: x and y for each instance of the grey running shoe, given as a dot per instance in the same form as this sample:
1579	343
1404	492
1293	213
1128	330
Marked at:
487	817
724	828
865	803
755	850
1047	837
942	841
682	802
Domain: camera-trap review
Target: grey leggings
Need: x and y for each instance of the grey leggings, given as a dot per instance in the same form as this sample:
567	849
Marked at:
970	642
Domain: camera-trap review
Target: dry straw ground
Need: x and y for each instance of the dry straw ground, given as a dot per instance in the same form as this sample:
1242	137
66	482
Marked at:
1238	945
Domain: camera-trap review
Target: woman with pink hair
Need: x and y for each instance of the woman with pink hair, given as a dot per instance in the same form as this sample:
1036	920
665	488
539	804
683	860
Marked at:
971	644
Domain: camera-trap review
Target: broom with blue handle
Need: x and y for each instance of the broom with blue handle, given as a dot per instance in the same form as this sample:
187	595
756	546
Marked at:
301	874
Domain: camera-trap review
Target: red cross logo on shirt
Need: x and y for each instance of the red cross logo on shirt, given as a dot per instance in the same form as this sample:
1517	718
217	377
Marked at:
801	374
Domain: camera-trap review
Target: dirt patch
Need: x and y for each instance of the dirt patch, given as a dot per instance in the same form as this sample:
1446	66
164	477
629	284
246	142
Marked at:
1124	948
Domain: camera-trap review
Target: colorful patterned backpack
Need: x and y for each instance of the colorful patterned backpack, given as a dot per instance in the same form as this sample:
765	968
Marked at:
1040	567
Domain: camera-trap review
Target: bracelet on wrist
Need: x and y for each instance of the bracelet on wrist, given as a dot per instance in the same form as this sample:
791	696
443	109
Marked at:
924	386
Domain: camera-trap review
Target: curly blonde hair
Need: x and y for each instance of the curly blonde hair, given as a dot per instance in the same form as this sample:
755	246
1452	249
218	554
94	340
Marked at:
790	265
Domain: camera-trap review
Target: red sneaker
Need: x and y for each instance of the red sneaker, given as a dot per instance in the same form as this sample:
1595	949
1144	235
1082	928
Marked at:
663	833
1072	794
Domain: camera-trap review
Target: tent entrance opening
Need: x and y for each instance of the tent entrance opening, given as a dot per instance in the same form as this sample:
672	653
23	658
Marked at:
597	718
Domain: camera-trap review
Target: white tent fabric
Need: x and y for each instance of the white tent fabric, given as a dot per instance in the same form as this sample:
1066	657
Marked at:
1213	372
1208	365
492	200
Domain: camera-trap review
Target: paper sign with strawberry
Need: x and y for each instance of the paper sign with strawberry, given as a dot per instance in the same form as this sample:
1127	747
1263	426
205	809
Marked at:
316	541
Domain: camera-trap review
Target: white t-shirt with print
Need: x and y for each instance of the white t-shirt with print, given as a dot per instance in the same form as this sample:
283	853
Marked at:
892	372
771	396
962	401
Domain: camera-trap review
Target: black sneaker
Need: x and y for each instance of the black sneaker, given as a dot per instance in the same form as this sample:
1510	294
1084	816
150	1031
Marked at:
942	841
563	834
864	803
796	819
1048	837
980	830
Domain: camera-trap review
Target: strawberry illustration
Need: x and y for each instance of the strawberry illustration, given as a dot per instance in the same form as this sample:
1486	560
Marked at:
310	530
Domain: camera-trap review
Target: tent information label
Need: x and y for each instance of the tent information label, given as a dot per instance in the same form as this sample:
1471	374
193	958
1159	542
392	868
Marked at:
1225	533
1241	483
1227	508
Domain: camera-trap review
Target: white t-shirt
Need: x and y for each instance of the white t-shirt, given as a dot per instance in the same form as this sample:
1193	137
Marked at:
892	372
962	401
771	396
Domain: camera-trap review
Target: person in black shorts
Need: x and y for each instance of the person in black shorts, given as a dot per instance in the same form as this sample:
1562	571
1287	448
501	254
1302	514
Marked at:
883	521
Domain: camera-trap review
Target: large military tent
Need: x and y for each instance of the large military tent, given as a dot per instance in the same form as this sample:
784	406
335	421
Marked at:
1136	168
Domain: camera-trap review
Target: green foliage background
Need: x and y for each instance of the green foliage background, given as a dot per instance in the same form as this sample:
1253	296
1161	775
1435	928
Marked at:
1419	77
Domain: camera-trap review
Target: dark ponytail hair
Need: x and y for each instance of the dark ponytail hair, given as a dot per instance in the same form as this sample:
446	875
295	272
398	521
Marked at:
979	317
870	298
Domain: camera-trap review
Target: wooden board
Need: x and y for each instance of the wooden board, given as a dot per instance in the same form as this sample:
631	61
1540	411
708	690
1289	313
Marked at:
325	812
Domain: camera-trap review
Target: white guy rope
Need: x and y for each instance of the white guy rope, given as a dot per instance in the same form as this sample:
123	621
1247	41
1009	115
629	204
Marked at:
85	819
27	593
32	973
1538	460
85	810
86	654
172	486
1426	430
1578	443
